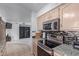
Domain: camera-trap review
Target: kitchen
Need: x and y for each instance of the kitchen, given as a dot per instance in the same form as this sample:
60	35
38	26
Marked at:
58	32
50	29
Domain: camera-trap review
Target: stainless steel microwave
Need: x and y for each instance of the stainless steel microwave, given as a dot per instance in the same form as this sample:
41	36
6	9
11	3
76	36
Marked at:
52	25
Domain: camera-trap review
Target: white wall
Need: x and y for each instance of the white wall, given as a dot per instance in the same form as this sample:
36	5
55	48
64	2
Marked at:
34	23
14	32
15	14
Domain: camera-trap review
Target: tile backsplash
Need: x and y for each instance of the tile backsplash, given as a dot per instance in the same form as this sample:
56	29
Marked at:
70	37
67	37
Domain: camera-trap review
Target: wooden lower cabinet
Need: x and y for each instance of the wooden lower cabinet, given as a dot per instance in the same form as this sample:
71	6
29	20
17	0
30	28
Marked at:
35	43
41	52
34	49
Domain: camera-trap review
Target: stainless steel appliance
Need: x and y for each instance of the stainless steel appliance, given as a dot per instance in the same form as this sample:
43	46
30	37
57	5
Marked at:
72	38
76	43
52	25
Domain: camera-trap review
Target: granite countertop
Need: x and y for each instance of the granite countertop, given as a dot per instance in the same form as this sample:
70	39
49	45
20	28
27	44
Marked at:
66	50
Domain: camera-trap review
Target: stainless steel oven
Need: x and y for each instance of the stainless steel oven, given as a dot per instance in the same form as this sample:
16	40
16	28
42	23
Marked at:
52	25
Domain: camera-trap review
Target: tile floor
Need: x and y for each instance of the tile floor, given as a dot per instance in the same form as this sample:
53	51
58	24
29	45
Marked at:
18	48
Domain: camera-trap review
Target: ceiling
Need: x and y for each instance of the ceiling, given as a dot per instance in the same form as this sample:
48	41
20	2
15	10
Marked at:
34	6
19	11
28	6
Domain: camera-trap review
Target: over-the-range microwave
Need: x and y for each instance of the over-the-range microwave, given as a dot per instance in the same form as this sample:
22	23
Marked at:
52	25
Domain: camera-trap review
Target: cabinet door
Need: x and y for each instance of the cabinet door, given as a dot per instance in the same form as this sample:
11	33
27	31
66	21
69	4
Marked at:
41	19
69	15
39	23
54	14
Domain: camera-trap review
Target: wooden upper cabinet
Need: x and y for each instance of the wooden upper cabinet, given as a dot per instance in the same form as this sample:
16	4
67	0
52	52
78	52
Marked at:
54	14
69	15
41	19
39	23
46	16
50	15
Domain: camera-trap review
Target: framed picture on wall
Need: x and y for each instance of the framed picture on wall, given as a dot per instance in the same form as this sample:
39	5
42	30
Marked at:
8	25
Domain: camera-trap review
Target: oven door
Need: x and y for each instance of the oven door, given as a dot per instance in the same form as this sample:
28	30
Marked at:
55	25
47	26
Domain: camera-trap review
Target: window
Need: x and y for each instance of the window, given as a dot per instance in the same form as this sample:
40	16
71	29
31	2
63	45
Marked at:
24	32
